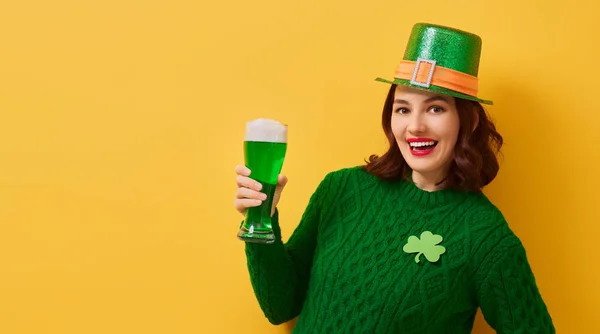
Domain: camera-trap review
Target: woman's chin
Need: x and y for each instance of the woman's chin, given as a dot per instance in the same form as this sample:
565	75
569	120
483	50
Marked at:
424	166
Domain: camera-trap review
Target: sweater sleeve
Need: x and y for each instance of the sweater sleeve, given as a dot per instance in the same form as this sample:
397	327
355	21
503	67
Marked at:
279	272
508	295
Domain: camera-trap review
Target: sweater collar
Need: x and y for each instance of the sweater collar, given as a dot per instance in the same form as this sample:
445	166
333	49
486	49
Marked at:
422	197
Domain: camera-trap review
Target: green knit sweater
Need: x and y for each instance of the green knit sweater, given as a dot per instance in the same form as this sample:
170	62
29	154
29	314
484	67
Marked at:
351	264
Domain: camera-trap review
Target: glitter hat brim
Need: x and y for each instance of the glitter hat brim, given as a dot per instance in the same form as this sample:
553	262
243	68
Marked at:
435	89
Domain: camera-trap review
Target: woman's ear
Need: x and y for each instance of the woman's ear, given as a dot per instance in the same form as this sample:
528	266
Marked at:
475	120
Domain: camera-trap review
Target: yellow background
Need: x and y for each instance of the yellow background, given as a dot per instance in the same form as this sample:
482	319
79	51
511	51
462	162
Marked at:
121	123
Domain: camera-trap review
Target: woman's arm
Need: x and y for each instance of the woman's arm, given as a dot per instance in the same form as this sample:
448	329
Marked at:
507	292
280	272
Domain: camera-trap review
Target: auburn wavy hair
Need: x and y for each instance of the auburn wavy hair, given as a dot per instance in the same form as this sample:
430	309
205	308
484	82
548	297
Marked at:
475	162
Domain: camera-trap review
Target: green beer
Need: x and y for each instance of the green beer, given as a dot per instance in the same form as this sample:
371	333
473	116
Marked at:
265	145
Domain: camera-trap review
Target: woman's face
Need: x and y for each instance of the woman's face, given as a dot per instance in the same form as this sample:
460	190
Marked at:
426	127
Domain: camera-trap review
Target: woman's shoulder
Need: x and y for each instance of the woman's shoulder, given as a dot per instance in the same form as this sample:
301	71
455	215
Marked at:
348	180
350	174
491	234
485	220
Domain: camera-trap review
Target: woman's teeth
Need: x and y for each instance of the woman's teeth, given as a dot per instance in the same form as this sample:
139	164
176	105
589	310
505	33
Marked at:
422	145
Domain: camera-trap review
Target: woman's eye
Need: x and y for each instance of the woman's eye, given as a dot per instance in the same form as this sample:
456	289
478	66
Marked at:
401	110
436	110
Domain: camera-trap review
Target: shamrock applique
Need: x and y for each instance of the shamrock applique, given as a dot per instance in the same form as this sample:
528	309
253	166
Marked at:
427	245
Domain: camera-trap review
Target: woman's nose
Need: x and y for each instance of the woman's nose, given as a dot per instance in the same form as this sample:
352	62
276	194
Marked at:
416	125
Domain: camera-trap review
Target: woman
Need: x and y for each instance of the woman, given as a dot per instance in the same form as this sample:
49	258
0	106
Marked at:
407	243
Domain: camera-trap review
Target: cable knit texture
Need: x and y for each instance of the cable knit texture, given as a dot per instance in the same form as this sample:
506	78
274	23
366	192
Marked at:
344	270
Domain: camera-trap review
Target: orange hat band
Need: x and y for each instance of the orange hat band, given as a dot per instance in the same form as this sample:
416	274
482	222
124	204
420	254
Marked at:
425	73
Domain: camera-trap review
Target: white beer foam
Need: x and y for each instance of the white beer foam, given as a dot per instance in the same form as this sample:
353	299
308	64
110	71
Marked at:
266	130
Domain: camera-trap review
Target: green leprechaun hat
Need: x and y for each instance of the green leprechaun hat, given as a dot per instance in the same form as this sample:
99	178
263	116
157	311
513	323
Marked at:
441	59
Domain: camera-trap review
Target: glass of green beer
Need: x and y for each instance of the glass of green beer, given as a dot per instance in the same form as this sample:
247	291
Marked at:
265	145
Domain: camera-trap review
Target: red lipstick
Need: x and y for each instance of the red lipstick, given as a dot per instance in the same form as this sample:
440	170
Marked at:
421	146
